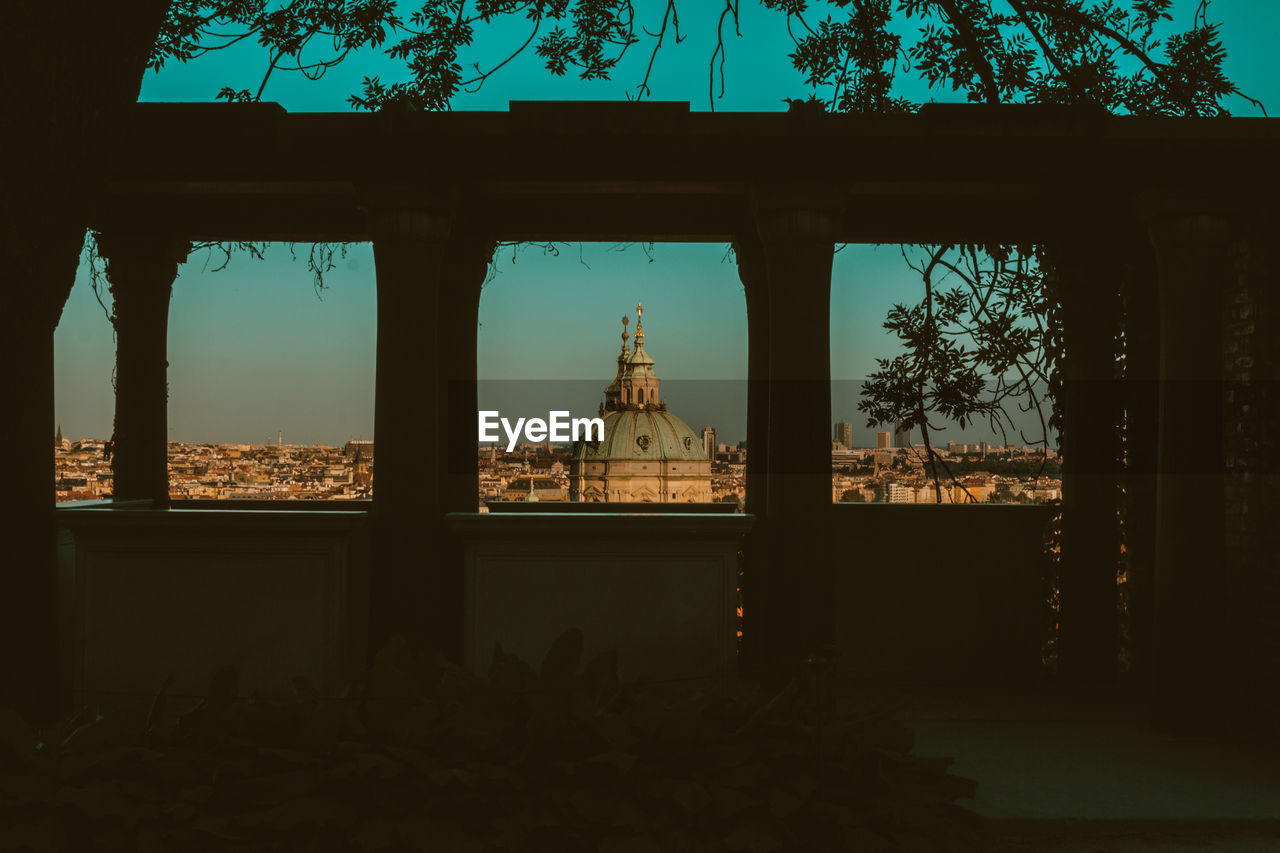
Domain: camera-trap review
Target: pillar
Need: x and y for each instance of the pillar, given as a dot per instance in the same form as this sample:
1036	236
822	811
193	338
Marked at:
1089	278
799	593
409	243
141	269
755	283
1251	364
46	248
466	264
1142	433
1188	621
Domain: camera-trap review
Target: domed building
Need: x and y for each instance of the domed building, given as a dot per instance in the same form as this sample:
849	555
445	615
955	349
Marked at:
647	455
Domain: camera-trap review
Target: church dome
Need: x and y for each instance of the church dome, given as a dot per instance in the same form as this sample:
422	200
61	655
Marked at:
642	434
645	454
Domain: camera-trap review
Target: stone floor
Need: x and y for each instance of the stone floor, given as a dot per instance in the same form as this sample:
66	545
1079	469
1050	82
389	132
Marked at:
1073	773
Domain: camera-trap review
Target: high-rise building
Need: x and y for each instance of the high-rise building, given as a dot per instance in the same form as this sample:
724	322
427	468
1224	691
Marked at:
901	435
709	441
844	434
884	440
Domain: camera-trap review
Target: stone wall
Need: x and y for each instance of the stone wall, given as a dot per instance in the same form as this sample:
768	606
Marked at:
1251	366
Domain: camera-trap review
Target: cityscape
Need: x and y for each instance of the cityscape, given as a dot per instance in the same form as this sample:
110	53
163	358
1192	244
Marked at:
887	473
643	453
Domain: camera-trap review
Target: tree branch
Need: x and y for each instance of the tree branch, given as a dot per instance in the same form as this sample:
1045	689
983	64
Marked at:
976	56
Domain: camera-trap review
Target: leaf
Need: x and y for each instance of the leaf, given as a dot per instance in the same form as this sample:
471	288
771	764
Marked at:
562	660
429	833
17	741
601	676
621	762
156	714
99	800
752	836
305	690
691	796
629	844
222	688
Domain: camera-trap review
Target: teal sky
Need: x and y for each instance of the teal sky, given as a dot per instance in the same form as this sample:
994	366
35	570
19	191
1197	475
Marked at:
253	349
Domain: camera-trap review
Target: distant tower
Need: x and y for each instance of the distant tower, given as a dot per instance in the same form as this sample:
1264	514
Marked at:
280	438
884	440
901	435
709	441
843	434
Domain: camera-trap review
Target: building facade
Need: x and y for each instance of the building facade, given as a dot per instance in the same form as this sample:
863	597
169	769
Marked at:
843	434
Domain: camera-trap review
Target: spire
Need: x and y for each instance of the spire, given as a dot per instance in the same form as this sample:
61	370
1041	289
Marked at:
639	385
613	394
638	355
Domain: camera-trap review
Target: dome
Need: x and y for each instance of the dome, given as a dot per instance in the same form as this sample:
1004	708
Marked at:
642	434
646	454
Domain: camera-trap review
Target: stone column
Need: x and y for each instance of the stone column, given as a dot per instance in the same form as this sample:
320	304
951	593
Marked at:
141	269
1142	435
40	277
755	283
1251	352
1187	662
409	243
466	263
797	237
1088	277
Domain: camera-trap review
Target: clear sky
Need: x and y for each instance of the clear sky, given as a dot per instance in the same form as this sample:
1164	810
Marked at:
254	350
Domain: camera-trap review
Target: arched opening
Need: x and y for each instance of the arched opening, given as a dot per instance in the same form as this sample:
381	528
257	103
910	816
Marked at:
257	409
676	365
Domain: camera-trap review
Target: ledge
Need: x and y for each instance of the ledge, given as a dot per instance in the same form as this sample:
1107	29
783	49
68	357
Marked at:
605	524
881	506
118	519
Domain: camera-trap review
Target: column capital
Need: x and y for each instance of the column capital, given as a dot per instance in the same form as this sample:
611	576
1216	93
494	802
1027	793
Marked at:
1200	218
134	244
749	253
399	213
1191	231
799	214
465	263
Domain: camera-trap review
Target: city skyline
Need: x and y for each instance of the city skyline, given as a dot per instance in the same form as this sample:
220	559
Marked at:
230	382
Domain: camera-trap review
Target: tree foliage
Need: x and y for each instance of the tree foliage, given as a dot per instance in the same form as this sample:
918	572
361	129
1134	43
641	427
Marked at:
1123	57
424	755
